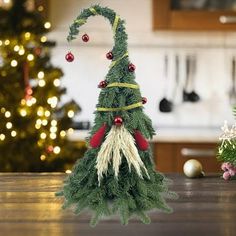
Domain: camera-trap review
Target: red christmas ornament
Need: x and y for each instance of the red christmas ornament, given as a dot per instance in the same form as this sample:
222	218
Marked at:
97	138
140	141
28	93
118	121
85	38
38	51
109	55
49	149
102	84
131	67
28	90
69	57
144	100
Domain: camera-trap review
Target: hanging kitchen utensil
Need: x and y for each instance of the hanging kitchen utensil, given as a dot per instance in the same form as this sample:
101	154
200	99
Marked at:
190	77
193	96
185	93
165	105
232	93
176	77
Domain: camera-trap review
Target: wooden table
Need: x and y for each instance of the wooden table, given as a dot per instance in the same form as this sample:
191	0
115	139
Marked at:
28	207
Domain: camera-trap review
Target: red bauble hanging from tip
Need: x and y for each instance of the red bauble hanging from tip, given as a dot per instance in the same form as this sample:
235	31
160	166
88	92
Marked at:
85	38
69	57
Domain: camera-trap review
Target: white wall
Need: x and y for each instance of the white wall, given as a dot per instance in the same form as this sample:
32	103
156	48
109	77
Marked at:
147	49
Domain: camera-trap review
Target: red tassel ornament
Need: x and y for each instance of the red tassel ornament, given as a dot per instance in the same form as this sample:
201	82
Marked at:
97	138
140	141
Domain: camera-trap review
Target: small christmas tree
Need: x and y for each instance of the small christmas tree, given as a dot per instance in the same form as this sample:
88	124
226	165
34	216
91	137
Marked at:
116	174
33	122
227	151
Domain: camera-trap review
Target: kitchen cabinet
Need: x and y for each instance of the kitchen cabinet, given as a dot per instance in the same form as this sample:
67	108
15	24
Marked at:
170	157
194	15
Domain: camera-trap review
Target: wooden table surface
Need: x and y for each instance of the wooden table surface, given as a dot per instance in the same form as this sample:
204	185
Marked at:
28	206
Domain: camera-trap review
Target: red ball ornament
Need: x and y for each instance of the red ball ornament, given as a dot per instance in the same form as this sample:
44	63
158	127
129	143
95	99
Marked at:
131	67
109	55
85	38
50	149
102	84
144	100
118	121
70	57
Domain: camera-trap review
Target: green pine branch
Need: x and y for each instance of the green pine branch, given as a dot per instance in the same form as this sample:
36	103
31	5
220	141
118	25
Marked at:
227	152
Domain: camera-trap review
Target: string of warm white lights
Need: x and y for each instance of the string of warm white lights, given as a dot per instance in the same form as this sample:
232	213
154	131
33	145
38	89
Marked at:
20	48
42	122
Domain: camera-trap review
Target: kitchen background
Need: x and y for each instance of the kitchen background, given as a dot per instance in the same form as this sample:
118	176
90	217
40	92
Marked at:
185	57
213	52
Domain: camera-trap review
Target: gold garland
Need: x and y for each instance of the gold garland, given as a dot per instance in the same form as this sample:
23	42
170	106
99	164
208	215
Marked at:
125	108
114	62
124	85
115	23
92	9
80	21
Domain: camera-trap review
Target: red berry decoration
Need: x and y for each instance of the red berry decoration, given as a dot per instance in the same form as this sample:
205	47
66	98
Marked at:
118	121
50	149
140	141
109	55
97	138
144	100
85	38
69	57
102	84
131	67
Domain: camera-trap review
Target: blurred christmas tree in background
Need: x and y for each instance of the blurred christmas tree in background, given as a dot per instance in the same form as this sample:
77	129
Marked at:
34	124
